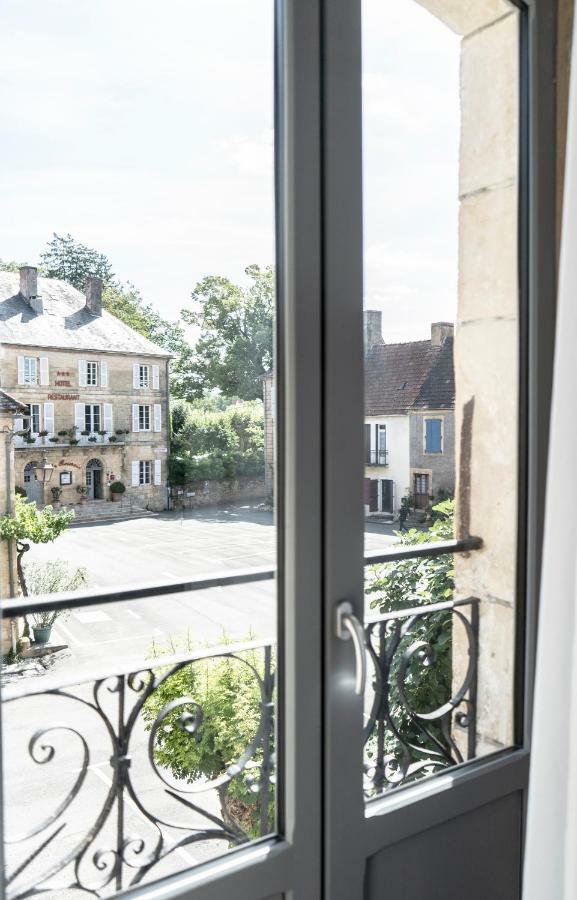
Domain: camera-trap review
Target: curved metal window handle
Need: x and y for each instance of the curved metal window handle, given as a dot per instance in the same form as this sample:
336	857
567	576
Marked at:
348	626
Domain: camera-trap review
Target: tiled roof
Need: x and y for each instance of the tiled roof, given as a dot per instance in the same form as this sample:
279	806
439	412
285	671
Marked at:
65	322
9	404
415	375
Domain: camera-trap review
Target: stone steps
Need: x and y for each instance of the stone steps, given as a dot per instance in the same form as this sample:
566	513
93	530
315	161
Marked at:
93	511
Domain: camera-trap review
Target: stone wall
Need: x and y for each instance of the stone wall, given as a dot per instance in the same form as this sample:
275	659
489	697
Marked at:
212	493
439	466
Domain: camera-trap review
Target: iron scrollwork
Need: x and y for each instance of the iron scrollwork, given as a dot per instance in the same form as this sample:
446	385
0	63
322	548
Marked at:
43	868
405	739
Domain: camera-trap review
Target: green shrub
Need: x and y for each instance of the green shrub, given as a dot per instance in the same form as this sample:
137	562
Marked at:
229	696
413	583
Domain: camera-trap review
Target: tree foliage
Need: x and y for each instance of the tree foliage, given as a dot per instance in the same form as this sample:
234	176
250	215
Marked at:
29	525
227	692
413	583
72	261
211	443
235	346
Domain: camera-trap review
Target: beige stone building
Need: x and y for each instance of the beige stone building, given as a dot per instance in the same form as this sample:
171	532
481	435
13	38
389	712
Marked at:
95	392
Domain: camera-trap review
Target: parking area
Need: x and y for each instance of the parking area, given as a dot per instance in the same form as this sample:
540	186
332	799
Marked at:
171	547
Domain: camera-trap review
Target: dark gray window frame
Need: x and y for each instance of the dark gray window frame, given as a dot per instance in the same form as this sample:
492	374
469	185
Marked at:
319	263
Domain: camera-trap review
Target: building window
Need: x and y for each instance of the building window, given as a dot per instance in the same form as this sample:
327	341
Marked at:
91	374
145	471
381	441
144	418
92	417
433	435
30	370
143	376
32	418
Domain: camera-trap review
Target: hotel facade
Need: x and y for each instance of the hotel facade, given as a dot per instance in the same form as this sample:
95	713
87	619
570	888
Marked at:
96	394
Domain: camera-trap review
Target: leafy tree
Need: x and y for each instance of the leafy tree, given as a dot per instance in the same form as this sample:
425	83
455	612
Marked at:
11	265
28	525
211	444
227	692
235	346
72	261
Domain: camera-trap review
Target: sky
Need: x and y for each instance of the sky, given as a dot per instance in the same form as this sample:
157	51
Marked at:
144	129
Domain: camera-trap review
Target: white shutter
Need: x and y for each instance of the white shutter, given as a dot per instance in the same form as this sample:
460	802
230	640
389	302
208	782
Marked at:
158	471
108	422
135	417
44	376
82	372
156	378
19	423
49	418
20	370
104	374
135	474
79	419
136	376
157	417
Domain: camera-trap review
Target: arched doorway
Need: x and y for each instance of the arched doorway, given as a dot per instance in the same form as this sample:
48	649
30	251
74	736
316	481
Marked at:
94	479
34	489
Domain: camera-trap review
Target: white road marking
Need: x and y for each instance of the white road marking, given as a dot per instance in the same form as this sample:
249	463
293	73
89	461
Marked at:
135	615
88	617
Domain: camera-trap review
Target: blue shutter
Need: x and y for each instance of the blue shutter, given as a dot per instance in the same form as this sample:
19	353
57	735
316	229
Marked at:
433	436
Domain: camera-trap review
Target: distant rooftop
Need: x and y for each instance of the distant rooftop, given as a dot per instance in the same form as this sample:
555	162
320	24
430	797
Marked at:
64	322
412	375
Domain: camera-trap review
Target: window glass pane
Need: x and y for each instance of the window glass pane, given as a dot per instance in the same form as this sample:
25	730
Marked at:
138	254
441	376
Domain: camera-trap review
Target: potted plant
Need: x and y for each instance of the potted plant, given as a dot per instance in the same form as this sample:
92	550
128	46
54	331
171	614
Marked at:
102	432
117	489
112	438
54	440
120	431
83	491
74	441
42	623
43	434
85	432
64	433
56	493
92	439
29	439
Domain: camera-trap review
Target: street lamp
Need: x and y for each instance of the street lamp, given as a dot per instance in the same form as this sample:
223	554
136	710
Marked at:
43	471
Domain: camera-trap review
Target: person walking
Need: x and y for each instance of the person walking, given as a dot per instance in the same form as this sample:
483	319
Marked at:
403	514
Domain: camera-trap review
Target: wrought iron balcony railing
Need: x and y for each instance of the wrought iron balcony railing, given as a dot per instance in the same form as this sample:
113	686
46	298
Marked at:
130	719
377	458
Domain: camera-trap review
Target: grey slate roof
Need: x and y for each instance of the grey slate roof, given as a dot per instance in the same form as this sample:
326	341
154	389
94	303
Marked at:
415	375
65	323
9	404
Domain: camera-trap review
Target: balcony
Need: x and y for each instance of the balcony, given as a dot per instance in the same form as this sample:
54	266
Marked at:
58	441
123	718
377	458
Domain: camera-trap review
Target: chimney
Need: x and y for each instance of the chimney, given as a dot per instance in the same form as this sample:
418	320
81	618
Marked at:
94	295
440	331
29	288
373	328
